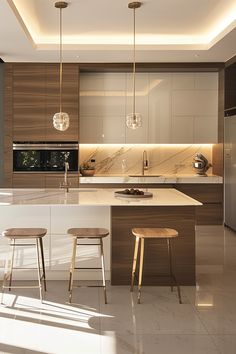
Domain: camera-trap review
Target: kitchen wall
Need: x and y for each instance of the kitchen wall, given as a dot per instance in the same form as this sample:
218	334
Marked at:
116	159
1	124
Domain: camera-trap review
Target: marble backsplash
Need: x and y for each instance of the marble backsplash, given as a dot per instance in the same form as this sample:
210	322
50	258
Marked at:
114	159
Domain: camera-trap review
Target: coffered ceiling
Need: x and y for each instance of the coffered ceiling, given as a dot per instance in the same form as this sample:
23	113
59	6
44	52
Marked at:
102	31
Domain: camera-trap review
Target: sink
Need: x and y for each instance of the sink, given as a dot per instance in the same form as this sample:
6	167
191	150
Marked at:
145	175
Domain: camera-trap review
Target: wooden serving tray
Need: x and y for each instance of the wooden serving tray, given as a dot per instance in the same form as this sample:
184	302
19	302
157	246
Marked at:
125	195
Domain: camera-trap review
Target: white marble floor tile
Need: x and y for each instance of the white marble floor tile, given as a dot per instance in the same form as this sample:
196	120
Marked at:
225	343
50	338
153	344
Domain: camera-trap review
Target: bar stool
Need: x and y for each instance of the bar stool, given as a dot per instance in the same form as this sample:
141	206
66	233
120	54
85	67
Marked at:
19	234
87	233
152	233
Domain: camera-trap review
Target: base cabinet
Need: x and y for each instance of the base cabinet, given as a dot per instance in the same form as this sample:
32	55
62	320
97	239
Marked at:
211	195
42	180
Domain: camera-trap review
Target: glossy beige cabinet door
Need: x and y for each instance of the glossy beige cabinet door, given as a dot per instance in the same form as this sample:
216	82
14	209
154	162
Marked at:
102	108
194	105
178	108
139	135
159	108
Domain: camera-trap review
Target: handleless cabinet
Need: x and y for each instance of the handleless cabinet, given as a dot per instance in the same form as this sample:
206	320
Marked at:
70	101
230	88
29	100
36	99
176	108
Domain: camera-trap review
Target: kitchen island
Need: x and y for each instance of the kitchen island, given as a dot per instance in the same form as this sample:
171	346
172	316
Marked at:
57	211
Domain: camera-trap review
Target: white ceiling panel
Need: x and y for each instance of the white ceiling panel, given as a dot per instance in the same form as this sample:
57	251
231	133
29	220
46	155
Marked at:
101	31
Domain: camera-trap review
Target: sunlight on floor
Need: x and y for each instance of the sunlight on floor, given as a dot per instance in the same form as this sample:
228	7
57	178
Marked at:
204	324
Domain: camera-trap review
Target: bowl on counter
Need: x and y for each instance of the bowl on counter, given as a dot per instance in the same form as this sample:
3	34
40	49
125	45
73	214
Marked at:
87	172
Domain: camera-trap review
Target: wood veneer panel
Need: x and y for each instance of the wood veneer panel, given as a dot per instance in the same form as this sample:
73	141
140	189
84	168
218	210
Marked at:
70	100
210	214
55	181
204	193
29	102
211	195
8	116
24	180
156	260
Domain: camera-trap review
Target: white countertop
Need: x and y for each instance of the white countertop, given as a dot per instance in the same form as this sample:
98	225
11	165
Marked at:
172	179
92	197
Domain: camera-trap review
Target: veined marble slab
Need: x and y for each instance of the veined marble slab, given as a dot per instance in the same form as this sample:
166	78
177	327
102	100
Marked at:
152	179
92	197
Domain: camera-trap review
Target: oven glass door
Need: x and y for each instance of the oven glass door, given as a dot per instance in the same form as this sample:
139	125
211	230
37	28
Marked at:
47	157
27	160
55	160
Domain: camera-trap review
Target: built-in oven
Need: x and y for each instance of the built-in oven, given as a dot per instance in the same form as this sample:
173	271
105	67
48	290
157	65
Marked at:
44	157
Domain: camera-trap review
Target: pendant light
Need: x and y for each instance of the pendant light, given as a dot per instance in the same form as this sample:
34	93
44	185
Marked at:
61	120
134	119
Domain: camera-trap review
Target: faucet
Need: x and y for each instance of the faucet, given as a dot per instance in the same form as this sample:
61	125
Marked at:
144	162
65	184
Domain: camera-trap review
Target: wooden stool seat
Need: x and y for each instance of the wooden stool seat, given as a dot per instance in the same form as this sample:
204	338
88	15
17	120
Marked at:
24	233
154	232
15	235
91	234
88	232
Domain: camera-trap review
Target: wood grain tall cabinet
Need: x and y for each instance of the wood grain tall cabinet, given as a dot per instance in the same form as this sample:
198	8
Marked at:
31	99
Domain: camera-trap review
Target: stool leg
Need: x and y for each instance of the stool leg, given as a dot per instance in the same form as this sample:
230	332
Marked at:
5	278
171	271
103	271
140	270
134	262
11	264
43	264
170	263
38	267
72	268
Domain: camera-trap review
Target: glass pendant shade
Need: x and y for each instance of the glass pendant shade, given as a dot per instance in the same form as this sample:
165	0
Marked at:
134	120
61	121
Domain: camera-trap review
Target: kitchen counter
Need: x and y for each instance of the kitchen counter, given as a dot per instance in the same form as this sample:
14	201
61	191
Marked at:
172	179
57	211
92	197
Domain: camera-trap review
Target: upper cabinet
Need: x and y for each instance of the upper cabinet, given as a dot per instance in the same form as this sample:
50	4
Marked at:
36	100
175	107
29	101
230	88
70	100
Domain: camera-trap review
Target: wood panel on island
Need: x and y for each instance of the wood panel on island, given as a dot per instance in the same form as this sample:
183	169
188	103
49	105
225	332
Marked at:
156	260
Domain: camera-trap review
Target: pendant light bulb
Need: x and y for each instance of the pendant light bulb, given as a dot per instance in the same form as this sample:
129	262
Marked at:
61	120
134	119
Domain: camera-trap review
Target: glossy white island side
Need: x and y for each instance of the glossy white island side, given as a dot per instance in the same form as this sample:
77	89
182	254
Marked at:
57	211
